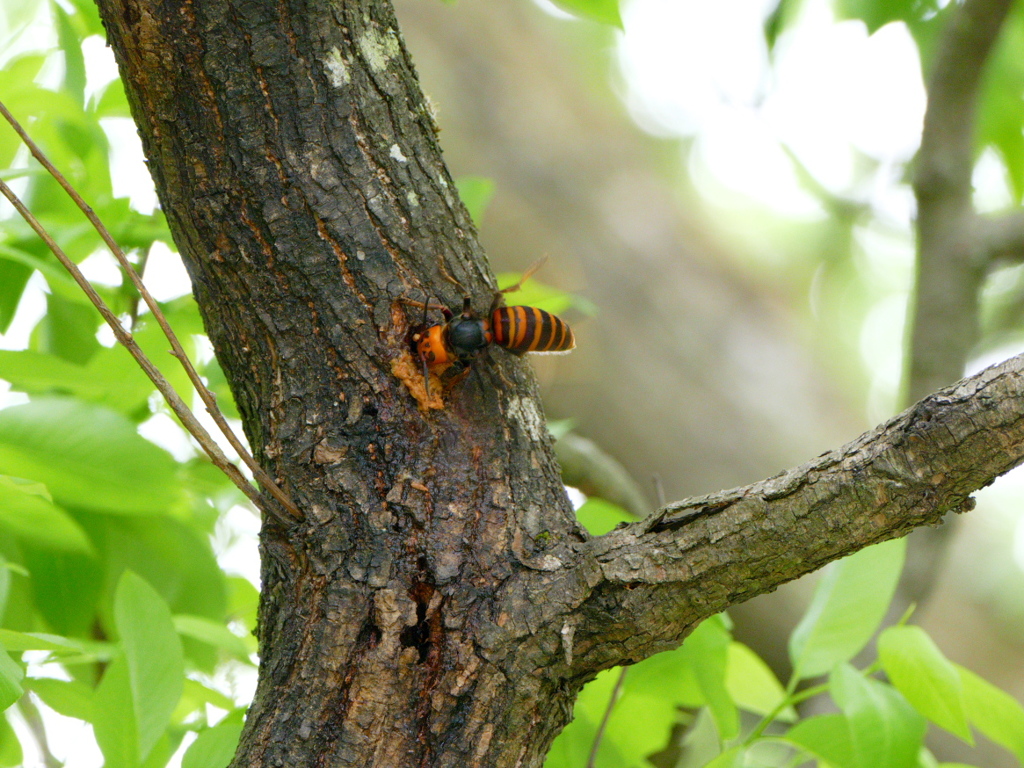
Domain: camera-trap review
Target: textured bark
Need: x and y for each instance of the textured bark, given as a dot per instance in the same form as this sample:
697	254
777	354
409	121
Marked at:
437	604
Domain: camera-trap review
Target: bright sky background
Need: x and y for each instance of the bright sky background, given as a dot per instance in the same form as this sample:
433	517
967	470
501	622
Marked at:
687	68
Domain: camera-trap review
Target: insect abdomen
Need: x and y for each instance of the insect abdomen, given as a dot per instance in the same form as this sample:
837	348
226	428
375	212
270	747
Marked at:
528	329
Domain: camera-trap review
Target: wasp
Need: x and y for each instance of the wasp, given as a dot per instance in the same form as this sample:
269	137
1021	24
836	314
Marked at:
454	344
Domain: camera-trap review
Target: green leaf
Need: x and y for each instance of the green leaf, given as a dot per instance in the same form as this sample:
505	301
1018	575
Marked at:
884	729
13	278
849	603
476	192
212	633
785	12
536	294
114	720
996	714
71	698
709	644
878	13
11	675
752	684
74	61
928	679
153	655
10	748
173	557
38	641
106	380
214	747
87	456
38	520
68	330
65	588
827	737
1000	106
196	696
731	758
599	516
602	11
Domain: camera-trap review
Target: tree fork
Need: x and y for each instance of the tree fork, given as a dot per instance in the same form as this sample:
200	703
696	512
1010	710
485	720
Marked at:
437	604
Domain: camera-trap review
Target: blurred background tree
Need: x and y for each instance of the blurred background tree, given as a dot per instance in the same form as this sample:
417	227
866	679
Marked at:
727	184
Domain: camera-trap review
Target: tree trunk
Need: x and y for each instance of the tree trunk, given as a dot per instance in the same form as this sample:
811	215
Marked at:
437	604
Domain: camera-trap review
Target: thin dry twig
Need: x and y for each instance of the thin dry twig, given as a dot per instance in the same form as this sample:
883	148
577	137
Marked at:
175	402
208	398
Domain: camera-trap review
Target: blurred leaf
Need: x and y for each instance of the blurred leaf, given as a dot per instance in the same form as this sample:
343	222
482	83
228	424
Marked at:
71	698
19	77
65	589
849	603
37	519
996	714
10	748
243	601
13	277
74	61
877	13
602	11
779	19
884	729
196	696
476	192
114	723
112	102
535	294
1001	108
709	644
214	747
87	456
57	278
752	684
68	330
827	737
925	677
169	554
212	633
88	17
11	675
599	516
731	758
107	380
153	656
38	641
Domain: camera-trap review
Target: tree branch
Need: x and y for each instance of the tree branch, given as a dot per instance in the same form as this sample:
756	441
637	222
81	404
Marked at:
1001	237
661	576
950	265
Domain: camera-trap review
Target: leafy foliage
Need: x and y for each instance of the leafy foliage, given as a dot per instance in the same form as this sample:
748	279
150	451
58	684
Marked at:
713	702
601	11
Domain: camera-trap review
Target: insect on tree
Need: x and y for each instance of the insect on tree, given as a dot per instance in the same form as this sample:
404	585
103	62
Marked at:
451	347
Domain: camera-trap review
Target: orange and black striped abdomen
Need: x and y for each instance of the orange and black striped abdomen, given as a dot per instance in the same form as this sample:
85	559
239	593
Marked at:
528	329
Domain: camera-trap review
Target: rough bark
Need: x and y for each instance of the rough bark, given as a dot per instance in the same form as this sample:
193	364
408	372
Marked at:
437	604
